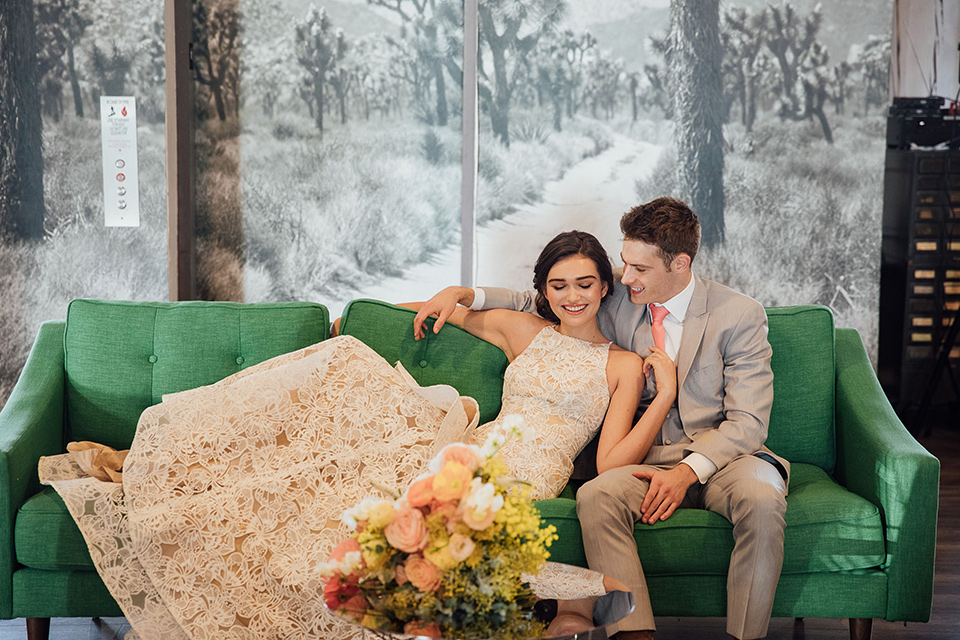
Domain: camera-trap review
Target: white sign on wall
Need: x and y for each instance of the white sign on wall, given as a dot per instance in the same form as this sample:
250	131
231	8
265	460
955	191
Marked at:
118	133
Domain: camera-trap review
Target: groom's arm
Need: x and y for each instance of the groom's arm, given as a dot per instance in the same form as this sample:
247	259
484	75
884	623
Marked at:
444	303
747	392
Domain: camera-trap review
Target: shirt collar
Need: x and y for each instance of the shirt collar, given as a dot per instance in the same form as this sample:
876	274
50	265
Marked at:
677	305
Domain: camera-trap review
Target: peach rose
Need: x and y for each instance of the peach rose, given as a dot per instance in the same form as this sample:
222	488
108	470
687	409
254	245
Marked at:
460	547
462	453
452	482
422	573
420	493
401	575
407	532
426	629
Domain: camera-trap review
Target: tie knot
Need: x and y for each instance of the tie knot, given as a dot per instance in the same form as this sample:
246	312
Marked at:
658	313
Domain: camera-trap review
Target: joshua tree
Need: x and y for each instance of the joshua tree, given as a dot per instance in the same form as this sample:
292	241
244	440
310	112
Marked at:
216	36
509	30
319	48
64	25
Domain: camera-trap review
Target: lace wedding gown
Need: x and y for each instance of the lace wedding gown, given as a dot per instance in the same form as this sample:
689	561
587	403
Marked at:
232	493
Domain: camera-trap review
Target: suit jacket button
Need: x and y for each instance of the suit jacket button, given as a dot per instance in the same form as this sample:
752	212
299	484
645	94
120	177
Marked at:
423	364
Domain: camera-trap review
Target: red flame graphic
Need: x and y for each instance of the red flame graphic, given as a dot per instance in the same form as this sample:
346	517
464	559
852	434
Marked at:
123	111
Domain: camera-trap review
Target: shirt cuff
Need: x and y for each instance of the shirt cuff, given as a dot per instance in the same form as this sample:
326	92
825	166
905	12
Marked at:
479	297
701	465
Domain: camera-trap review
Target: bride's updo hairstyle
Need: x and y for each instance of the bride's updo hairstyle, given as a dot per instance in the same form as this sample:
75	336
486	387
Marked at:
564	245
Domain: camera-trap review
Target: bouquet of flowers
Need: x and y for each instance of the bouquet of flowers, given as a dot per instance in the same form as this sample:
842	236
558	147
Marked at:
446	558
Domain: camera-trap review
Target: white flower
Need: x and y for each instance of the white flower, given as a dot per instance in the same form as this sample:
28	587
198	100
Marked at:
351	562
327	569
513	423
494	441
355	514
483	498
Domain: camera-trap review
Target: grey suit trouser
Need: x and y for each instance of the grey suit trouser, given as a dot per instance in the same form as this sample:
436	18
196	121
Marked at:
748	491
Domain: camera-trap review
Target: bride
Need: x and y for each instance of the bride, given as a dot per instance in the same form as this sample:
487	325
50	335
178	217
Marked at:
231	493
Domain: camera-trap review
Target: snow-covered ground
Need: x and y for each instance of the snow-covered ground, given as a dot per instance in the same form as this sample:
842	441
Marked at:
591	196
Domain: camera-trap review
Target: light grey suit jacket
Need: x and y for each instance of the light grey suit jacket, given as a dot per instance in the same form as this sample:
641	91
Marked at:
723	369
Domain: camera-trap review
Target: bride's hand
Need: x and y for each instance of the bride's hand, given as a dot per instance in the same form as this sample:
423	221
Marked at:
441	305
664	369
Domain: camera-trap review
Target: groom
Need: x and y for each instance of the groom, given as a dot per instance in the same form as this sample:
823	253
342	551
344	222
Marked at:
709	453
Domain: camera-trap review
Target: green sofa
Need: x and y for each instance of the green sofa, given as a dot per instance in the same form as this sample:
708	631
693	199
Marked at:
862	509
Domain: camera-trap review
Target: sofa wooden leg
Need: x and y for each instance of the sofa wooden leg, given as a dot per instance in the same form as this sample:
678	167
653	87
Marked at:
38	628
861	628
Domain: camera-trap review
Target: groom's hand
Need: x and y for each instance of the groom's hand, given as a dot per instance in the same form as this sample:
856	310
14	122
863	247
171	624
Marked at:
666	492
441	305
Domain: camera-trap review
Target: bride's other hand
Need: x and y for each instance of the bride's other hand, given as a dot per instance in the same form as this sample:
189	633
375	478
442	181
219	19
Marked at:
664	369
441	305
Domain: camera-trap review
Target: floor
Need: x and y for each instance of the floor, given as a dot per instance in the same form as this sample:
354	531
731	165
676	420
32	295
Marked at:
942	441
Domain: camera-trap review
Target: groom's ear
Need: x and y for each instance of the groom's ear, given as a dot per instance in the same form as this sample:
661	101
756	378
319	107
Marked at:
680	263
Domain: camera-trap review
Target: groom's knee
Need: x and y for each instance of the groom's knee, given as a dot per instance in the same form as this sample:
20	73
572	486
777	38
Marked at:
616	489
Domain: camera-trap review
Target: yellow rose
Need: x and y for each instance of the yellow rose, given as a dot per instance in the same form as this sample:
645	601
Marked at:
374	550
440	556
381	515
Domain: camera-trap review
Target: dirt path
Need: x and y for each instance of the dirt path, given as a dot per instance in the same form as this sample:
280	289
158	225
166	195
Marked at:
591	196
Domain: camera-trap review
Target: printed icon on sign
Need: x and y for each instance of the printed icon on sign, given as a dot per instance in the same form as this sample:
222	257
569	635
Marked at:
121	177
120	164
112	113
121	204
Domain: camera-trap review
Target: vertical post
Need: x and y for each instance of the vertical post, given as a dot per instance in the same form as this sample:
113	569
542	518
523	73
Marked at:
181	231
468	194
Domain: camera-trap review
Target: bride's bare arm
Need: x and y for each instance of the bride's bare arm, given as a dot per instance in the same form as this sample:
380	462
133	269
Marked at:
512	331
622	442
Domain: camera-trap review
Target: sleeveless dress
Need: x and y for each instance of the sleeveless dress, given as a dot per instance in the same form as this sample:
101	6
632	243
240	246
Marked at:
232	493
559	385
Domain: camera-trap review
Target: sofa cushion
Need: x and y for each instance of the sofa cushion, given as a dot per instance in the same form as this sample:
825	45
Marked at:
45	536
453	356
121	357
801	421
828	529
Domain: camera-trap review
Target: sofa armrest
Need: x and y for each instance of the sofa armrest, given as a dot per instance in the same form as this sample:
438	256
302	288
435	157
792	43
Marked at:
878	459
31	425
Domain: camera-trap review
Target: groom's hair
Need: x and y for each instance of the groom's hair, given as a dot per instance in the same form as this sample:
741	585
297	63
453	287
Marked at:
564	245
666	223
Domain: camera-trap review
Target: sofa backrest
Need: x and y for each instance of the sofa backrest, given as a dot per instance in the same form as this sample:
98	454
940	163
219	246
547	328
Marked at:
804	373
121	357
802	338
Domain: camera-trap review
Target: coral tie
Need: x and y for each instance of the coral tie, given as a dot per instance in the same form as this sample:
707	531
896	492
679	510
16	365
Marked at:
658	314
